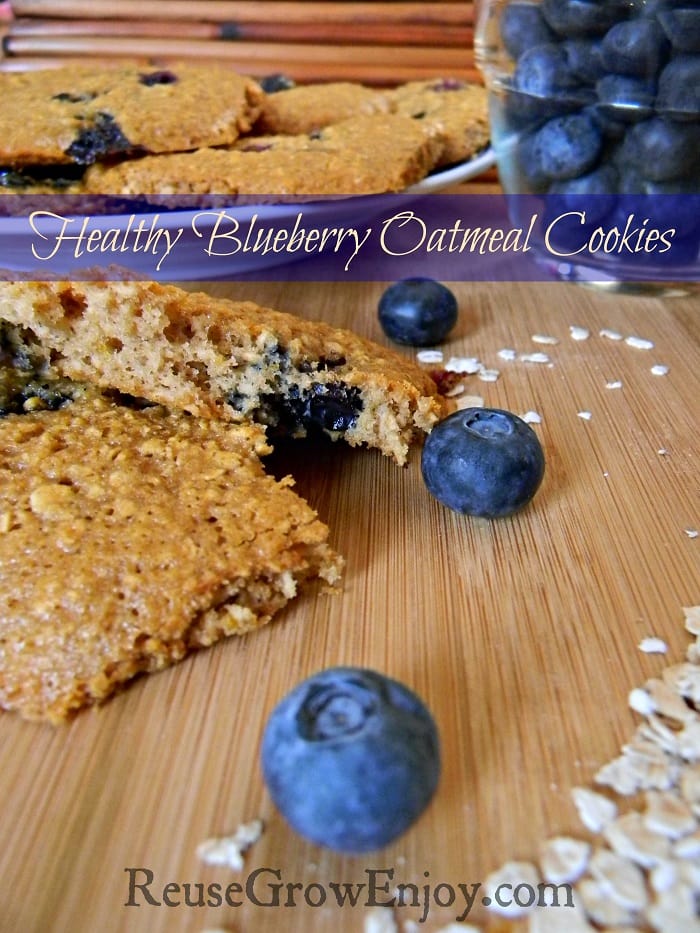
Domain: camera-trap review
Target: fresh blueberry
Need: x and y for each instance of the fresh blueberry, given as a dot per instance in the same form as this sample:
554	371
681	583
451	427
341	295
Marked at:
351	758
662	150
679	87
584	59
572	18
625	98
523	27
417	311
682	26
592	194
543	71
483	461
566	147
637	47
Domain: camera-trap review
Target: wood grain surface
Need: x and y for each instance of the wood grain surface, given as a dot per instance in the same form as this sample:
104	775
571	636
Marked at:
522	636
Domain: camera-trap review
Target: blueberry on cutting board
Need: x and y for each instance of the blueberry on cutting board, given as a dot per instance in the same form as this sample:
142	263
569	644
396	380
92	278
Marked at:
417	311
483	461
351	759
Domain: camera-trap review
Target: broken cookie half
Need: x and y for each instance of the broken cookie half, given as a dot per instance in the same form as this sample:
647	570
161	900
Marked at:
220	358
130	536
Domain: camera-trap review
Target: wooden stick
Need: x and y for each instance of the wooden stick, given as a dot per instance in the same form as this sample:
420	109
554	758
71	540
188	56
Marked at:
456	12
243	53
429	34
302	72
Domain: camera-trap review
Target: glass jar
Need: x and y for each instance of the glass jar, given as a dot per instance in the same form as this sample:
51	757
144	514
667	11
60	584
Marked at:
595	119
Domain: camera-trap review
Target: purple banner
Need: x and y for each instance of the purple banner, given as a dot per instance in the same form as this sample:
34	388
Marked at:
452	237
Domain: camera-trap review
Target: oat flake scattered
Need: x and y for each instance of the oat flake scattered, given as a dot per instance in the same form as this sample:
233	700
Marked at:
585	415
545	338
532	417
630	837
659	370
614	384
507	354
662	451
692	619
563	859
514	874
639	343
641	702
535	358
463	364
610	334
620	877
561	919
595	811
668	815
455	390
488	375
228	850
469	401
691	532
653	645
429	356
579	333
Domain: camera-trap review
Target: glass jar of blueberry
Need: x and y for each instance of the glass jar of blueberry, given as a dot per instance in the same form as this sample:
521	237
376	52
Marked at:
595	114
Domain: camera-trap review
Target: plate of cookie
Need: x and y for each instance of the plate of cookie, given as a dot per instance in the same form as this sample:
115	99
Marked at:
131	166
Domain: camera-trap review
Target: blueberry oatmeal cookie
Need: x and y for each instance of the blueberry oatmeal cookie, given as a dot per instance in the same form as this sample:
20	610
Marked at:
456	110
130	536
308	107
338	160
80	115
224	359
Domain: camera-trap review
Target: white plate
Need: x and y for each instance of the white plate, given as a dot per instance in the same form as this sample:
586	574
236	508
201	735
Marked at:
26	244
456	174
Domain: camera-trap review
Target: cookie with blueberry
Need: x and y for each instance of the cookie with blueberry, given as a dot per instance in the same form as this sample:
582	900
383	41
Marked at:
82	115
223	359
455	110
131	536
338	160
305	108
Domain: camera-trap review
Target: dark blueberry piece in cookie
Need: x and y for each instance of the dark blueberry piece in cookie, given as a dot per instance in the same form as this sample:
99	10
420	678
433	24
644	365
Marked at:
276	82
523	27
163	76
637	47
66	97
102	137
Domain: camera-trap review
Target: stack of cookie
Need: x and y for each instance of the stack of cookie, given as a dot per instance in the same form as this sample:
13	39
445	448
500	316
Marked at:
136	520
205	130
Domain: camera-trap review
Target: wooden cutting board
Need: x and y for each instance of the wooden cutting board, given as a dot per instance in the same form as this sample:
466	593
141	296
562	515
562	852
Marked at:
522	636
